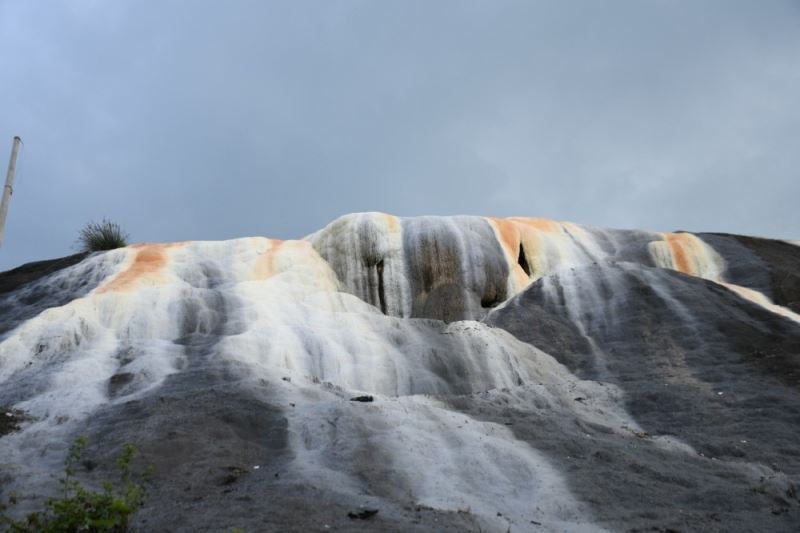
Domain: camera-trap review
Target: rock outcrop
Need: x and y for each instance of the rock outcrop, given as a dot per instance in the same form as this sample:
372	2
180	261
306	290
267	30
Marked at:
526	375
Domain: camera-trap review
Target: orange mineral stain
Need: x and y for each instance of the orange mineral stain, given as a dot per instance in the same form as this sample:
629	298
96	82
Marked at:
509	235
392	223
541	224
265	265
679	245
148	264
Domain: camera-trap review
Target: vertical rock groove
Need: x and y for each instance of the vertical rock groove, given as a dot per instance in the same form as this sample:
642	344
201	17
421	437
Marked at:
523	262
381	290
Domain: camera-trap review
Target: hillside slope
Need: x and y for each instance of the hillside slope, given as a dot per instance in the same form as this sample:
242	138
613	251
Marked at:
527	375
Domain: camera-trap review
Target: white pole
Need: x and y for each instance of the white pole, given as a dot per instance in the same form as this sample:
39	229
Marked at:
9	188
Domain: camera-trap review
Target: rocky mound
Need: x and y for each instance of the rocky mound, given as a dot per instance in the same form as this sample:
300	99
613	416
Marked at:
514	374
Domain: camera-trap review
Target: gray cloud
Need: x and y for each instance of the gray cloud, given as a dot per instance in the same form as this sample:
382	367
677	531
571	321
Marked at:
208	120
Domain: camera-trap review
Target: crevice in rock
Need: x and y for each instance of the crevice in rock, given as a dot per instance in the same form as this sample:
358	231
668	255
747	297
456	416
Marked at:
522	261
381	290
491	300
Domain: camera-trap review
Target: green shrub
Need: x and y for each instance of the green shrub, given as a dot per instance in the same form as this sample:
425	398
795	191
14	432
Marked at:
104	235
82	509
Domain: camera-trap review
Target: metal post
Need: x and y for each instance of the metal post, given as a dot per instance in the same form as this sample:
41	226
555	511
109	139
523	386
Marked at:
9	188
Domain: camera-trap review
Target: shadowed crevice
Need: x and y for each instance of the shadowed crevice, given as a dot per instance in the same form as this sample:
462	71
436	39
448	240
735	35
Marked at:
522	261
381	289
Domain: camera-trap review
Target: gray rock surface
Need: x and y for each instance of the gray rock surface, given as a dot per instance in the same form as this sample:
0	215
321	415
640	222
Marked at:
526	375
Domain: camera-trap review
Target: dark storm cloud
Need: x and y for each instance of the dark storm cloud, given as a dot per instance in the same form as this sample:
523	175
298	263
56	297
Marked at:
190	120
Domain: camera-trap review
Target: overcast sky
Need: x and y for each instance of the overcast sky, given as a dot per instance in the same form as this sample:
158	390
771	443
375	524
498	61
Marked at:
214	120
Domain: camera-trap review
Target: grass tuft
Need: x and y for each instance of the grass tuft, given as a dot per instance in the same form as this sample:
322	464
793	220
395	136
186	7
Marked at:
103	235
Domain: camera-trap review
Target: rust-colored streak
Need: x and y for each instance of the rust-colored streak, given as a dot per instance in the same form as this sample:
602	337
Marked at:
392	223
509	235
541	224
265	266
678	244
149	263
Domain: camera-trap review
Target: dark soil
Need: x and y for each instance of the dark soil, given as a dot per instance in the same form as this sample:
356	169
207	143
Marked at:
10	420
17	277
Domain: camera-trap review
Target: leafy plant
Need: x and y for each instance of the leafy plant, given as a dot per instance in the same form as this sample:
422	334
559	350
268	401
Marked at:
82	509
103	235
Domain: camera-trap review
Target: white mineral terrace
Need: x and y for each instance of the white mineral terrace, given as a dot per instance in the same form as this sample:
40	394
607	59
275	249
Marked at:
346	306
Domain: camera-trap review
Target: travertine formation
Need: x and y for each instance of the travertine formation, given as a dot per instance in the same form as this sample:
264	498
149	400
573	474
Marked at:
527	374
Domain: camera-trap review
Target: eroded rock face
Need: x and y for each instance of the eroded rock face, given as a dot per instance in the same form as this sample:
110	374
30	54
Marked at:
525	374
